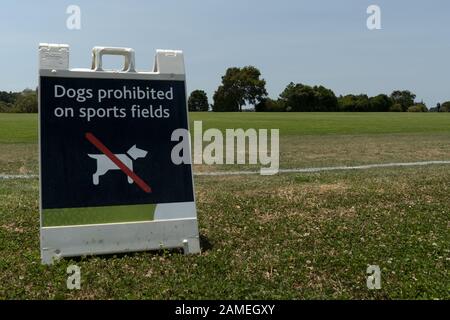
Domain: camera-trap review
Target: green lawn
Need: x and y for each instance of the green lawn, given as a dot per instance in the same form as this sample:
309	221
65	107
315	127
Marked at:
18	128
22	128
306	139
330	123
293	236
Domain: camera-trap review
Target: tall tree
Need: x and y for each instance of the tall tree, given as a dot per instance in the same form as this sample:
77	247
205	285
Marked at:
298	97
303	98
223	101
198	101
5	107
380	103
240	86
404	98
445	107
354	103
325	99
8	97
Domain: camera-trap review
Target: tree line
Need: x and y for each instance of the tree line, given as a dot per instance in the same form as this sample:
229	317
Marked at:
242	87
19	102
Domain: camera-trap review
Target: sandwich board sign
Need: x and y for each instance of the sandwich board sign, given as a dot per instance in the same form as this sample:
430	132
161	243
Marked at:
107	180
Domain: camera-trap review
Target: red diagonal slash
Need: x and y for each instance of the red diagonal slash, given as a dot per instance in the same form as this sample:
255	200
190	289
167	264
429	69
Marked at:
100	146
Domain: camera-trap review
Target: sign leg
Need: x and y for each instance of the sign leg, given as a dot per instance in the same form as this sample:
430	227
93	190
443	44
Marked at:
191	246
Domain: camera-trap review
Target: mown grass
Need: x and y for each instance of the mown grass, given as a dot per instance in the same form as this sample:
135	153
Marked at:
293	236
22	128
306	139
329	123
290	236
18	128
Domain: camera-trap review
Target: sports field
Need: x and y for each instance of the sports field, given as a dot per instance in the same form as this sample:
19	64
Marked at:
292	236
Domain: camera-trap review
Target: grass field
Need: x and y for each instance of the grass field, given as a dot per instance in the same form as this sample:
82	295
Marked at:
293	236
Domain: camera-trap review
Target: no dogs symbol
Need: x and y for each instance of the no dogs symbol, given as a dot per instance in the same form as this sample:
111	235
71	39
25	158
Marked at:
107	161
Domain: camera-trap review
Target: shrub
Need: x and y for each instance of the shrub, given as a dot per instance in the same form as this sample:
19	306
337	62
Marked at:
419	107
270	105
397	107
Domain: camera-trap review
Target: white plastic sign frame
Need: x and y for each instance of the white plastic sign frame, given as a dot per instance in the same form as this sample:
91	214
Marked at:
174	224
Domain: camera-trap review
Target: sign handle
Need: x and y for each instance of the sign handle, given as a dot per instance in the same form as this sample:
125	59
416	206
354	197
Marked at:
127	53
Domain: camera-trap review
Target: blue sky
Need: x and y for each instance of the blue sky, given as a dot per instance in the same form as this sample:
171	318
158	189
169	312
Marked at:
311	42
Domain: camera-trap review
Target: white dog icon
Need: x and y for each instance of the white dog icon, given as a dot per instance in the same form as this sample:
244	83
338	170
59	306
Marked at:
104	164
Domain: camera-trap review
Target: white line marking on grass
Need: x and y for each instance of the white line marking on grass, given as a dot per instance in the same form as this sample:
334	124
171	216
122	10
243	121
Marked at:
295	170
18	176
310	170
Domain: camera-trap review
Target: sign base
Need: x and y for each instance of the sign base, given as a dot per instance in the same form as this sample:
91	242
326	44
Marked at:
72	241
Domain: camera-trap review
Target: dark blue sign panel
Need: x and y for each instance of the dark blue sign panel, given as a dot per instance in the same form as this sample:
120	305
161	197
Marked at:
107	142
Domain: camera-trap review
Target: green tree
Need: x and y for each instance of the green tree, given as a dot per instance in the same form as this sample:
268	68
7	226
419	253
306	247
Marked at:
269	105
380	103
240	86
325	99
404	98
26	102
303	98
298	97
4	107
198	101
396	107
418	107
346	103
223	101
354	103
8	97
445	107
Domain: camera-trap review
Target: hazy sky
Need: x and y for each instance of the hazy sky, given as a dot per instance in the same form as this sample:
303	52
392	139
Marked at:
312	42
